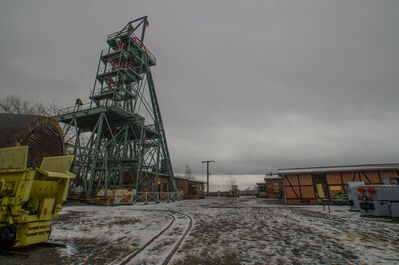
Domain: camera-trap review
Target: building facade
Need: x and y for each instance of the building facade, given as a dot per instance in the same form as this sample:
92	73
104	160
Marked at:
192	189
307	185
271	188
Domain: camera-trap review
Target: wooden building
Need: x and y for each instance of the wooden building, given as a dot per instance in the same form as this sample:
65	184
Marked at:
271	188
192	189
163	183
261	190
304	185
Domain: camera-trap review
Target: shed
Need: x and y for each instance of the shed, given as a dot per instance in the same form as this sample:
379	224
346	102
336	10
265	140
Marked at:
271	188
192	189
300	184
261	190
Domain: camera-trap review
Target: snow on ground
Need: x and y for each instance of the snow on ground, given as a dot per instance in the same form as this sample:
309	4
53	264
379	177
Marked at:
105	234
162	246
225	231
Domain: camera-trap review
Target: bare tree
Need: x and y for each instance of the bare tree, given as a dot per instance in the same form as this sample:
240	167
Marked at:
16	105
52	107
231	183
187	173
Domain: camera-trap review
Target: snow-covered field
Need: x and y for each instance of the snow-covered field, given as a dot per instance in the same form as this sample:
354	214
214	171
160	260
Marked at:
224	231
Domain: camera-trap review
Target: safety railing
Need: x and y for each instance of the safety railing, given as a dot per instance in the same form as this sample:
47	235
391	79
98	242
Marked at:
99	91
157	196
114	48
136	40
147	123
113	66
73	108
115	34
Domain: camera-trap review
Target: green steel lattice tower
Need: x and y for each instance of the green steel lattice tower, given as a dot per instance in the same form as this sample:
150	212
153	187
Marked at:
118	139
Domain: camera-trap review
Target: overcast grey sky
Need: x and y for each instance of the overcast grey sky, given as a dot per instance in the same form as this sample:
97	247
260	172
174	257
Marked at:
254	85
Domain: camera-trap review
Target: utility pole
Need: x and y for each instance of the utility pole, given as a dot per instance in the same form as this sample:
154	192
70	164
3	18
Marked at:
207	175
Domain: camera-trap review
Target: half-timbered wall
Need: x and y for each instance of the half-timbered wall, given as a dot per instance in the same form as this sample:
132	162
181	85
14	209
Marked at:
301	188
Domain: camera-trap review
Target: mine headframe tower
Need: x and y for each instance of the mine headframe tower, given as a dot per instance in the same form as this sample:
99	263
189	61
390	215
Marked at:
118	139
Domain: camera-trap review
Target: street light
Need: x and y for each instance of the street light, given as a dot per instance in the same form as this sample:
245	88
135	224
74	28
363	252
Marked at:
207	175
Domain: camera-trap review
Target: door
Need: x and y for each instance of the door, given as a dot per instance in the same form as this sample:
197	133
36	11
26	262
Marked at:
320	186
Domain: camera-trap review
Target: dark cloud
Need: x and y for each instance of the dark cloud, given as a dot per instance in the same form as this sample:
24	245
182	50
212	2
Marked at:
254	85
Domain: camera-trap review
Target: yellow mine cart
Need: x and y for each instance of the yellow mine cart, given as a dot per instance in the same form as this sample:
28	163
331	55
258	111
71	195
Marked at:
30	198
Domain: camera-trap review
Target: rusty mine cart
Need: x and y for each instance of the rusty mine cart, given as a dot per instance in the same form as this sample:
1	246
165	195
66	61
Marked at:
30	198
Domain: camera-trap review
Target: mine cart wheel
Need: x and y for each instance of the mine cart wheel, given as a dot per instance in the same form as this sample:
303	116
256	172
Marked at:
7	237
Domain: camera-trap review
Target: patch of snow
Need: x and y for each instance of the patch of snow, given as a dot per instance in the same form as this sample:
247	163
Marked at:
232	230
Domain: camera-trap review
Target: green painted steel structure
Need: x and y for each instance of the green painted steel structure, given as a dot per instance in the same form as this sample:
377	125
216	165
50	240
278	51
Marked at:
118	139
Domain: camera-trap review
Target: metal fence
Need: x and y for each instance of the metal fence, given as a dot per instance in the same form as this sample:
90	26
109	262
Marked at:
157	196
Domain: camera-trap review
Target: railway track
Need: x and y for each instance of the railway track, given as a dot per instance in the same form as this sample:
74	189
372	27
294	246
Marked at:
161	242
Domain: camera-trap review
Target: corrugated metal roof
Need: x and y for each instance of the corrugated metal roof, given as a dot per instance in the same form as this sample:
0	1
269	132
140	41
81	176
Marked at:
391	166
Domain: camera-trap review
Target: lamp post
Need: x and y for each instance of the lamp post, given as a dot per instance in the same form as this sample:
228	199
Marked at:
207	175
